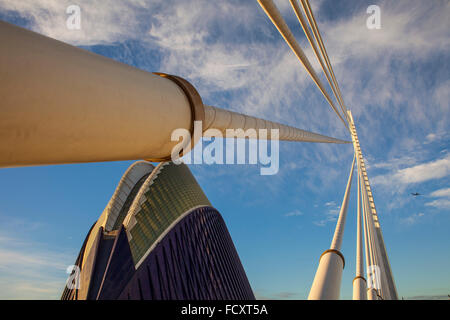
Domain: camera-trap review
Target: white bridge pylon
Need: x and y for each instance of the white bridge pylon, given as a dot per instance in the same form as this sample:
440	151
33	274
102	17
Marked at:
327	281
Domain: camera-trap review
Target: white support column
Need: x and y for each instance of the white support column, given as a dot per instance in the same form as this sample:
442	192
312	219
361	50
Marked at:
327	281
372	293
61	104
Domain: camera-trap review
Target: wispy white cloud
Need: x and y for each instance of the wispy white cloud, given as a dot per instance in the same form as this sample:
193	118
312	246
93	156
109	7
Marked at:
294	213
443	201
412	219
330	215
441	96
445	192
382	85
431	137
439	203
399	21
102	21
431	170
394	163
261	294
28	271
13	258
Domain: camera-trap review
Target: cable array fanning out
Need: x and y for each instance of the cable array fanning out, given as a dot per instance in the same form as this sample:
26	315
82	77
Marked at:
275	16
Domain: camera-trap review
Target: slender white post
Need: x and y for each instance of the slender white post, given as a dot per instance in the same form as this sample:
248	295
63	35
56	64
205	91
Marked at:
376	253
359	282
377	273
370	260
327	281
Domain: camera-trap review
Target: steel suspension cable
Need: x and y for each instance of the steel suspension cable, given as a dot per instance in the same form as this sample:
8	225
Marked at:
312	21
316	51
275	16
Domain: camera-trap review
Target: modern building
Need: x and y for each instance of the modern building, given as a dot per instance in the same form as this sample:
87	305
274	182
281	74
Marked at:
159	238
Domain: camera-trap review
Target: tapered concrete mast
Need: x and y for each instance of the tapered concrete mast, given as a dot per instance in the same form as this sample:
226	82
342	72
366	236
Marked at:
359	282
327	281
223	120
61	104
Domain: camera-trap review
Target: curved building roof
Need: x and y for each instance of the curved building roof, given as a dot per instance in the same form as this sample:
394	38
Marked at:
148	201
113	209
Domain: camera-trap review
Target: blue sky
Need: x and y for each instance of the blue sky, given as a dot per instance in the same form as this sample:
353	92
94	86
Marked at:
394	80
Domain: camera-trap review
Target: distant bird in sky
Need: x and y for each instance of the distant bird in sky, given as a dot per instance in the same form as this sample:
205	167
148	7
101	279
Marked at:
415	194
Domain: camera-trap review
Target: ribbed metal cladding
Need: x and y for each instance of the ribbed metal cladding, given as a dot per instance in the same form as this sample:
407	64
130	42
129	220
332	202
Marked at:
196	260
223	120
169	192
